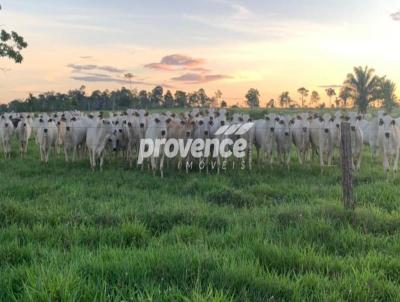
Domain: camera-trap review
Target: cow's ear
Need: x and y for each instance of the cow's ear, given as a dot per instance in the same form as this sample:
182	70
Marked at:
321	119
182	122
359	117
331	119
281	122
217	114
124	113
201	123
299	117
211	118
146	114
393	122
266	117
193	123
277	119
63	119
173	114
90	116
124	122
157	120
40	120
168	120
381	122
116	122
310	118
137	113
292	121
73	119
347	118
249	120
28	116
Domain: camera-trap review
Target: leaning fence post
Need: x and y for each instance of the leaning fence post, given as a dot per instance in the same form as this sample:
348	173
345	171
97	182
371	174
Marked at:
345	155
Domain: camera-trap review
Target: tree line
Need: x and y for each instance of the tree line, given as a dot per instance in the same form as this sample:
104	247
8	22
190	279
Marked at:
362	87
119	99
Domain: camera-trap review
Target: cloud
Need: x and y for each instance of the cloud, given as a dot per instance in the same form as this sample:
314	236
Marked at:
176	62
86	57
195	78
396	16
94	78
80	68
102	78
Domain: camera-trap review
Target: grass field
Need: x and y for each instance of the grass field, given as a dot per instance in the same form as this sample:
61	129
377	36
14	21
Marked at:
68	234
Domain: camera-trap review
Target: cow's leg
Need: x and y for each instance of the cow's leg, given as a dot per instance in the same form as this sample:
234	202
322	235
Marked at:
396	160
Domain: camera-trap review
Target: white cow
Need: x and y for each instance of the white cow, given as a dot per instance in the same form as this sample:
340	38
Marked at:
389	142
98	135
23	132
322	139
157	129
6	133
75	135
265	136
283	137
47	137
356	136
301	136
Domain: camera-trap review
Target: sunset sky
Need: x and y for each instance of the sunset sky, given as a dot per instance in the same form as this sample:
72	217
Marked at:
183	44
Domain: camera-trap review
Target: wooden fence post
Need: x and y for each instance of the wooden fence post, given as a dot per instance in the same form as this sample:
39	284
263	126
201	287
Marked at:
345	155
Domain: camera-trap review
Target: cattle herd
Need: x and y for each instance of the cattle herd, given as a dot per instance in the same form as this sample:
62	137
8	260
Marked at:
311	134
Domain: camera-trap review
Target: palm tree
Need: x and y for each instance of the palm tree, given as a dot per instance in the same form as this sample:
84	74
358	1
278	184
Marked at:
364	85
304	93
330	92
345	94
387	90
315	98
284	99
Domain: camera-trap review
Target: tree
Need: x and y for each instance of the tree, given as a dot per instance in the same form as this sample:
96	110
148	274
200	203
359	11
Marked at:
129	77
216	98
330	92
304	93
156	96
388	90
345	94
169	100
11	45
284	99
181	99
315	98
144	100
203	99
271	103
364	86
253	98
224	104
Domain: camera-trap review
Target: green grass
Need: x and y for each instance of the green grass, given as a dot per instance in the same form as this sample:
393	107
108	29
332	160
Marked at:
68	234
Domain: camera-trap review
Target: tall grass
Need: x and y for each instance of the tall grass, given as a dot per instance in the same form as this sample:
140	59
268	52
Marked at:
69	234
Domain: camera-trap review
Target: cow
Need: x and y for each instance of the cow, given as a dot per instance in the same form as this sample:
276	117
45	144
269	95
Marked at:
6	133
23	132
157	130
98	135
389	142
283	137
301	136
75	135
356	137
264	136
322	139
47	137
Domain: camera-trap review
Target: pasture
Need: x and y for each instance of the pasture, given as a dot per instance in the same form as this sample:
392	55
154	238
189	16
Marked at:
70	234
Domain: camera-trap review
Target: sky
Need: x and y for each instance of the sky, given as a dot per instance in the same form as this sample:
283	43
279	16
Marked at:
225	45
